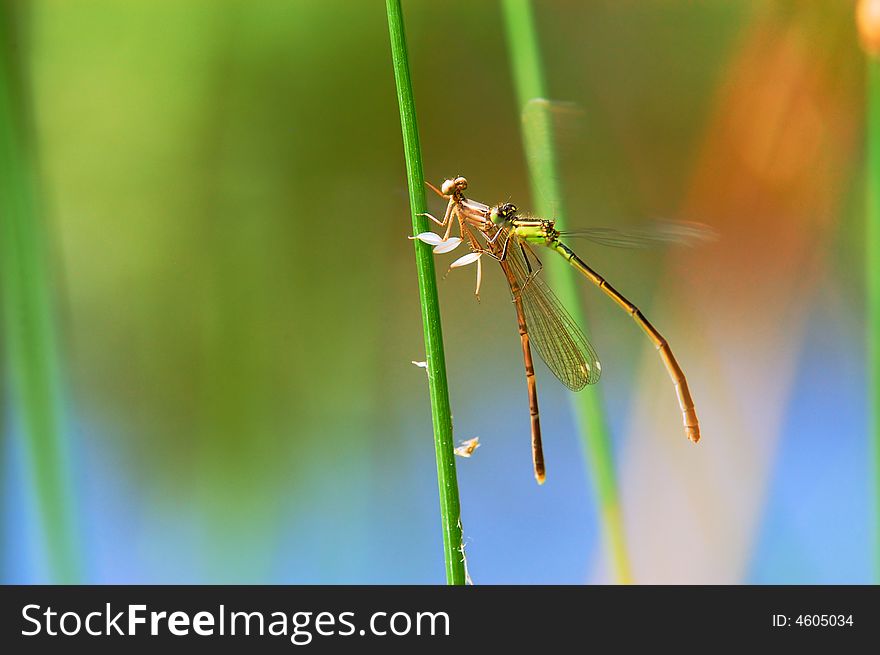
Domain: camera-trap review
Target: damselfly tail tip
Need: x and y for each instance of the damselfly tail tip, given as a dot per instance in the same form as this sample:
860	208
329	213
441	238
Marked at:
693	432
540	476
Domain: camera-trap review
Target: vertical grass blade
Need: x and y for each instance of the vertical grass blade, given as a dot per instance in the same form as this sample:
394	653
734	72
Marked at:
30	356
869	29
450	511
538	142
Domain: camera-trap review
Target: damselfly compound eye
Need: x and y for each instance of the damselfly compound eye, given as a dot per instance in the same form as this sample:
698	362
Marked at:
455	185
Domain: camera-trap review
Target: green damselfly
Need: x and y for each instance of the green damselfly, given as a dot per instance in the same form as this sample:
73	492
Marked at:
507	236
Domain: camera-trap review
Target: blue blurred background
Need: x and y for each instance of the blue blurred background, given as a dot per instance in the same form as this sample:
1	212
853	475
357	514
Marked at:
235	301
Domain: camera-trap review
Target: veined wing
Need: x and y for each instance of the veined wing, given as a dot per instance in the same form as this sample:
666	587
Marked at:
657	233
556	336
476	206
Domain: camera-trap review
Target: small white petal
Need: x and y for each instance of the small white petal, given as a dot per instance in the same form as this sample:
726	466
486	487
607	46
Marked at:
467	448
447	246
469	258
429	237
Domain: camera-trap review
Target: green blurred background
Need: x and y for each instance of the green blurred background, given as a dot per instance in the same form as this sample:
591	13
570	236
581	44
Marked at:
224	195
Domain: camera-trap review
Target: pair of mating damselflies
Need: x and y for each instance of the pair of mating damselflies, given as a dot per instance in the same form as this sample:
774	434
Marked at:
506	236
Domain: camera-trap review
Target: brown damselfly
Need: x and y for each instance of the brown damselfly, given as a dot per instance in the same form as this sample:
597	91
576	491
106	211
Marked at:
541	318
503	234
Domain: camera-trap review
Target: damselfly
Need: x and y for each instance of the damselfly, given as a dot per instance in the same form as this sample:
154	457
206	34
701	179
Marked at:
544	232
506	236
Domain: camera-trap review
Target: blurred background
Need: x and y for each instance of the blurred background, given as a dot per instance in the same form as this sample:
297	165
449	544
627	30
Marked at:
223	198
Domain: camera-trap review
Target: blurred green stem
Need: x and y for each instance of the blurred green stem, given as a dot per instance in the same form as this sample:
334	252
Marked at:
538	142
450	511
31	360
872	262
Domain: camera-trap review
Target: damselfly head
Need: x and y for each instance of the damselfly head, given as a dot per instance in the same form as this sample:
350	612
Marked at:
454	186
502	213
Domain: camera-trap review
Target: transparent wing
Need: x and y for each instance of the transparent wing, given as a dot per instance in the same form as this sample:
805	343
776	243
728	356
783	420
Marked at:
555	334
477	206
555	135
657	233
552	130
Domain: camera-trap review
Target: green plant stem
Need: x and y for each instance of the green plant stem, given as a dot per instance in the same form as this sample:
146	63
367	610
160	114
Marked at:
31	359
539	146
872	263
450	510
